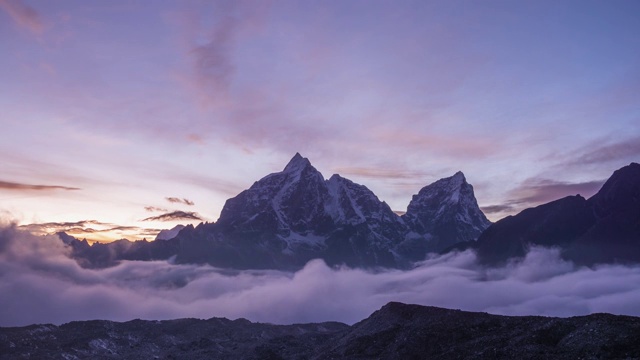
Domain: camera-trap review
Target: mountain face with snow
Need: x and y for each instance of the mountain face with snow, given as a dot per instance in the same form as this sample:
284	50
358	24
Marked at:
169	234
290	217
446	212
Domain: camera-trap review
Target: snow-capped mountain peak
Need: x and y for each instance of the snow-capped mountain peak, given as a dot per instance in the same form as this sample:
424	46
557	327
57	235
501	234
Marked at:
296	164
170	233
297	211
447	209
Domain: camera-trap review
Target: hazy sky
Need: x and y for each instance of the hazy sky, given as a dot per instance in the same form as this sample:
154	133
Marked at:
112	112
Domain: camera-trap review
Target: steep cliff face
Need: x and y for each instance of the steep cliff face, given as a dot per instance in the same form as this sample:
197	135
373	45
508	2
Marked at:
292	200
441	215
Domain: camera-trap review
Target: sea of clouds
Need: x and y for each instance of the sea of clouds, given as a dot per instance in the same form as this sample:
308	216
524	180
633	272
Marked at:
39	283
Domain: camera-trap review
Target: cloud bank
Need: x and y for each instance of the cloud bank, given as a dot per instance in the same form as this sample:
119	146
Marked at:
40	284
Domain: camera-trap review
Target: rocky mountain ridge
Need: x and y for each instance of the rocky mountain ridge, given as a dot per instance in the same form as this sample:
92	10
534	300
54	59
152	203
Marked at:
602	229
287	218
396	331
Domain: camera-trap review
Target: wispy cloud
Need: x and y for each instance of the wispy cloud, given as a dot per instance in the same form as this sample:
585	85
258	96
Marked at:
420	141
381	173
494	209
175	215
24	15
53	227
155	209
7	185
93	230
211	49
212	63
176	200
627	149
536	191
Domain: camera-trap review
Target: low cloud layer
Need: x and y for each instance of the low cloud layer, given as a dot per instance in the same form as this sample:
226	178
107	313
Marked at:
40	284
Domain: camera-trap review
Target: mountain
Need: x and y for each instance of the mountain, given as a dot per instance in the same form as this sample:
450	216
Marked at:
289	217
602	229
396	331
446	212
169	234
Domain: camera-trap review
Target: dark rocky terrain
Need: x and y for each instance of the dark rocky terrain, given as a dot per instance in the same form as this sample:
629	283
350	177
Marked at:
290	217
396	331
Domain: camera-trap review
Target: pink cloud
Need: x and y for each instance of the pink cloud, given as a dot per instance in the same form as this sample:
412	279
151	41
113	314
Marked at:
12	186
24	15
381	173
418	141
536	191
625	149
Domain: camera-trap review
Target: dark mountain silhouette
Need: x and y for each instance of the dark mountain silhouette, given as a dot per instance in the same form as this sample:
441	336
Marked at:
603	229
290	217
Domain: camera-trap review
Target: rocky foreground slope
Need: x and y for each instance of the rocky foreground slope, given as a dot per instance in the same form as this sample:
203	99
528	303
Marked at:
396	331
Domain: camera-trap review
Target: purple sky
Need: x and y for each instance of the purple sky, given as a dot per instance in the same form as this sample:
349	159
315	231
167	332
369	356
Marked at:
119	111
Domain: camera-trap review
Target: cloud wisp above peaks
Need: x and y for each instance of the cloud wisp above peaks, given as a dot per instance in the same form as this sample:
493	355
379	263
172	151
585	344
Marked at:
381	173
24	15
42	285
211	35
175	215
176	200
626	149
537	191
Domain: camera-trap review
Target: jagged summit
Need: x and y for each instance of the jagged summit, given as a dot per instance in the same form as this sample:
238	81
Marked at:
459	174
303	214
296	164
289	217
447	211
169	233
